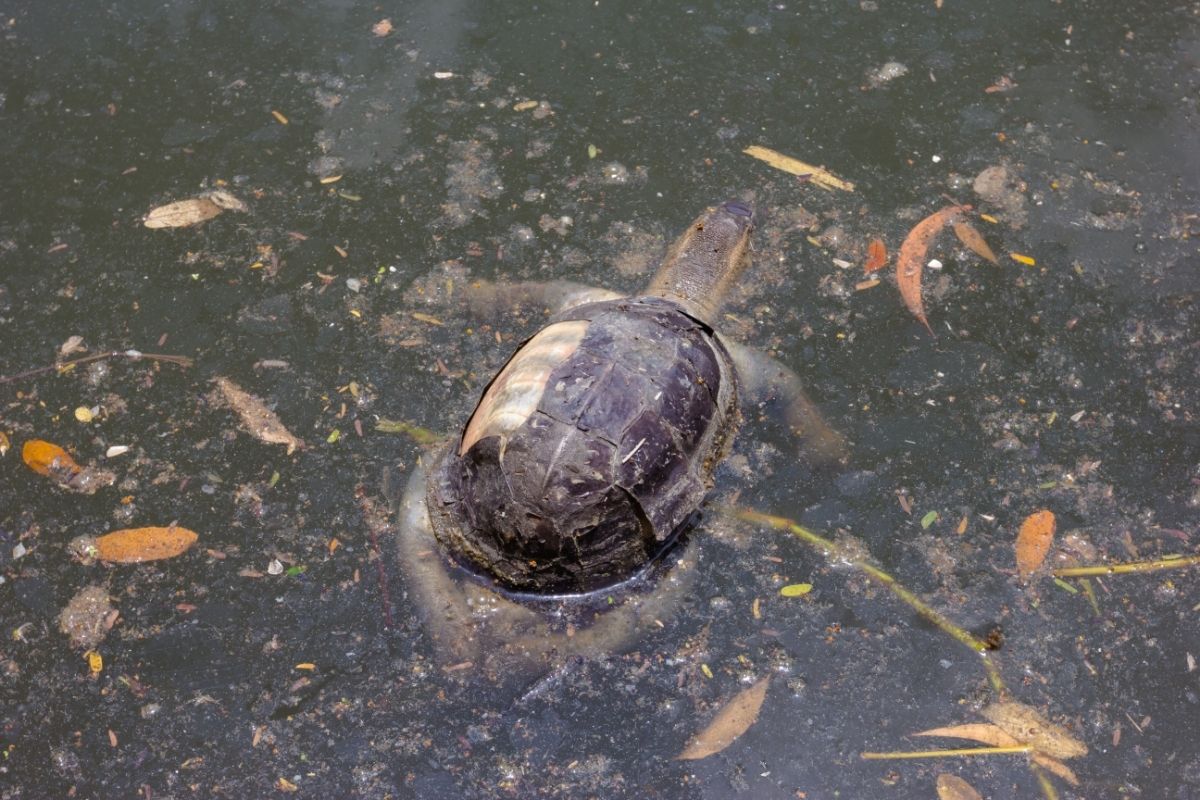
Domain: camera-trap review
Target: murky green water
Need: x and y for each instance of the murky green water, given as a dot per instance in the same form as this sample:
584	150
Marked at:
547	141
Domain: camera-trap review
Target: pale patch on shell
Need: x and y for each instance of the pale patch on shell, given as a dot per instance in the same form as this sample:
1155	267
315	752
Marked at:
515	392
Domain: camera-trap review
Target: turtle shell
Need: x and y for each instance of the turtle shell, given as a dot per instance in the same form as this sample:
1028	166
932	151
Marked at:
590	450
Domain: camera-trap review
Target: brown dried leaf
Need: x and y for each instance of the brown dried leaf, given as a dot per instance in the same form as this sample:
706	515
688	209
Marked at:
182	213
135	545
876	256
257	420
974	241
734	719
1057	767
911	261
982	732
1034	540
1027	726
227	201
952	787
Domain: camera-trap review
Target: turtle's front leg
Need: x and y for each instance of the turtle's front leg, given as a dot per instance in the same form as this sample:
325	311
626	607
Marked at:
764	379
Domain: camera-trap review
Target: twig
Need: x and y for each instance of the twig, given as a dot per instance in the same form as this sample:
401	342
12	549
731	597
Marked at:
831	548
1169	562
63	366
953	753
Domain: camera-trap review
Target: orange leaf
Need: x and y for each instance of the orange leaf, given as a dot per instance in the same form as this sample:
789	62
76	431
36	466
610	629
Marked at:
974	241
49	459
911	261
876	256
134	545
731	722
1033	541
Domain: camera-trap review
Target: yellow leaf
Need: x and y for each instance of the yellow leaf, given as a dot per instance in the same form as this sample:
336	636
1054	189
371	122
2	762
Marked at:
952	787
1034	540
306	666
734	719
84	414
135	545
819	176
796	589
279	117
95	662
1020	259
426	318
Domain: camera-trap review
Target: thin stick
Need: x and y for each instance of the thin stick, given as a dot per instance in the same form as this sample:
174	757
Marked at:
63	366
1170	562
831	548
954	753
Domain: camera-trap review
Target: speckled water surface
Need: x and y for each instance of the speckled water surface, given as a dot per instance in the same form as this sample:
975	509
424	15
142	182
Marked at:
389	152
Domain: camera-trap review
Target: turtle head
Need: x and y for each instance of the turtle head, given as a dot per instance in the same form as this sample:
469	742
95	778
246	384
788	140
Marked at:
706	259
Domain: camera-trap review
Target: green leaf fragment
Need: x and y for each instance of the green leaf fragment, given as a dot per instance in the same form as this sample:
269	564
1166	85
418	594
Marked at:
1048	484
415	432
593	151
929	519
299	569
796	589
1066	586
333	436
274	479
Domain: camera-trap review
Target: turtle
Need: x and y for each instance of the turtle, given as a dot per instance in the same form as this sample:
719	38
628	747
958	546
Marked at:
546	527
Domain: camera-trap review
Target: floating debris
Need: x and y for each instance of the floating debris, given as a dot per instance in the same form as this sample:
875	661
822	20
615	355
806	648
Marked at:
257	420
734	719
